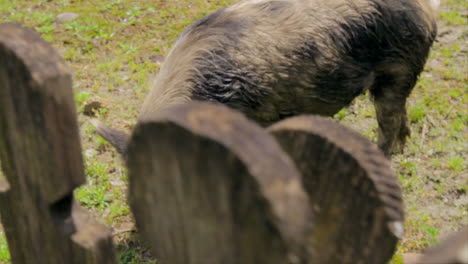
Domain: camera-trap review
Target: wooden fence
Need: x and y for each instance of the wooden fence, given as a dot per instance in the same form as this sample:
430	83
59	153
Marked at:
206	185
223	190
41	158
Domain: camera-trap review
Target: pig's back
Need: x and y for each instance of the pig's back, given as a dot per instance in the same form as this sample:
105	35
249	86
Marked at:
272	59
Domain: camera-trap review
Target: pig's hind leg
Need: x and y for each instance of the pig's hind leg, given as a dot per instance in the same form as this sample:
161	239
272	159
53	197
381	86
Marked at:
393	85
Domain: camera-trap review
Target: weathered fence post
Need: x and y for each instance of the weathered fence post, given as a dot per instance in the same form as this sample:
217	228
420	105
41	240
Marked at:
453	250
40	155
355	197
208	186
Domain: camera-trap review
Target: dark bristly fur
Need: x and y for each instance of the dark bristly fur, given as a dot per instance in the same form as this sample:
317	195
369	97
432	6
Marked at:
272	59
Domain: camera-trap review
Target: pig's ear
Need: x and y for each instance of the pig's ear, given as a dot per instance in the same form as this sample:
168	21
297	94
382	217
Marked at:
117	139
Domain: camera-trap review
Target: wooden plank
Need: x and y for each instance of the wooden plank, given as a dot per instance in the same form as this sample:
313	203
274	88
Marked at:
40	155
355	197
208	186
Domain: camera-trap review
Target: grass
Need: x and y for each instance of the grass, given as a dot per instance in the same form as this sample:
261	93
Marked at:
113	48
4	253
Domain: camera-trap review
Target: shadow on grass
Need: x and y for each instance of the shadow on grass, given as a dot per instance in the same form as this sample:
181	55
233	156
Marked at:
132	250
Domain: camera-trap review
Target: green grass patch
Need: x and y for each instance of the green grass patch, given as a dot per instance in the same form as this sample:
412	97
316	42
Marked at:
4	252
417	113
456	164
453	18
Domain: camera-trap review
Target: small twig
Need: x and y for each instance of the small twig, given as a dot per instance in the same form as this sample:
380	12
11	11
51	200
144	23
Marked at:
430	120
448	112
423	134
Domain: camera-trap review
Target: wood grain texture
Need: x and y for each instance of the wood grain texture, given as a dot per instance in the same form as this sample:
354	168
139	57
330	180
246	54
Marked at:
208	186
40	155
355	197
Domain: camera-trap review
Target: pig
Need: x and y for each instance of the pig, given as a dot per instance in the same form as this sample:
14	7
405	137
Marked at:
272	59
